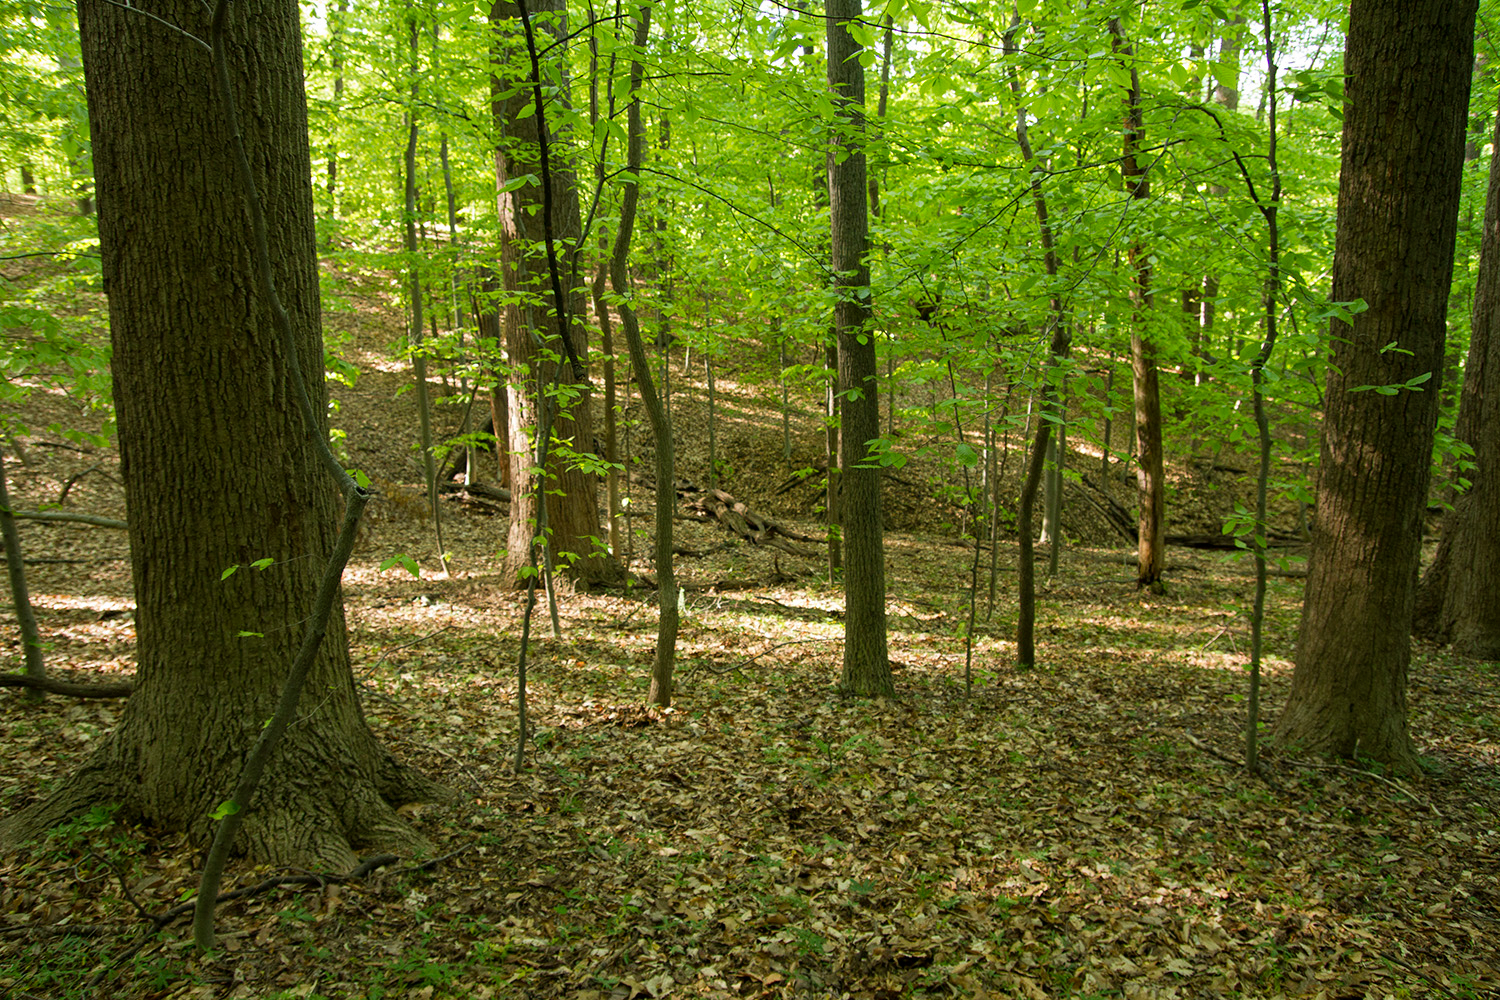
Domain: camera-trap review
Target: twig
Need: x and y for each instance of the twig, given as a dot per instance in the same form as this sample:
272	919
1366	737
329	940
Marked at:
428	746
161	920
395	649
73	479
1235	762
124	886
1394	959
751	659
52	685
1364	772
74	562
1211	751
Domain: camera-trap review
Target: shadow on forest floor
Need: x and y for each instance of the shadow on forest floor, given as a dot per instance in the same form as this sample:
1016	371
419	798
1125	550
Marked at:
1056	832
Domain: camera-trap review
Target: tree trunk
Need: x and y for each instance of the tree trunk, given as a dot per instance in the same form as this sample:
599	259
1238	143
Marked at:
31	640
1150	474
606	325
867	667
336	19
1226	96
665	659
832	457
196	358
414	334
572	509
1408	65
1459	599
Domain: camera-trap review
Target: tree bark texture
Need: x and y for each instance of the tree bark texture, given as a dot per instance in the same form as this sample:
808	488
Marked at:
535	354
1151	546
218	466
1459	598
1408	65
867	667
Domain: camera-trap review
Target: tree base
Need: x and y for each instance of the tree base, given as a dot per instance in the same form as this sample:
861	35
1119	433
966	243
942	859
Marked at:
304	820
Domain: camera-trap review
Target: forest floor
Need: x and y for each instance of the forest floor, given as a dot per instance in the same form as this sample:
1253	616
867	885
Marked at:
1081	829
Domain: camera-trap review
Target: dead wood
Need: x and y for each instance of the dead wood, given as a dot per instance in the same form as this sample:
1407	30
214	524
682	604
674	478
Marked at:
54	686
63	516
478	491
742	522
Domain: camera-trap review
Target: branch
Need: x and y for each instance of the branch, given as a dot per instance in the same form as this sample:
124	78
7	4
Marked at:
53	686
62	516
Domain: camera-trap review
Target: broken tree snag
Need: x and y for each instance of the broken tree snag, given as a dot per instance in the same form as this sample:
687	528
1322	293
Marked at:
54	686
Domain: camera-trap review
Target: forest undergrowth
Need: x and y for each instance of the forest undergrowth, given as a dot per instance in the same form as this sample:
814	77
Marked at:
1082	829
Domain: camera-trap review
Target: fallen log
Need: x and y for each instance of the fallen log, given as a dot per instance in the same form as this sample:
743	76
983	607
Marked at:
496	493
742	522
739	520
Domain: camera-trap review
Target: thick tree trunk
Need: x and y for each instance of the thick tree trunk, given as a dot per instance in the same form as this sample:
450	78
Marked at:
867	667
1459	599
1408	65
196	359
572	520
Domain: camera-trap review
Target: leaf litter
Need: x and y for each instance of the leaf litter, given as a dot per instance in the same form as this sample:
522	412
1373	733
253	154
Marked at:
1073	830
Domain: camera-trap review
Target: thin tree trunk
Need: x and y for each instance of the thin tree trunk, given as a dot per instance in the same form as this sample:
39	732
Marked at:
1226	96
831	457
1150	474
336	42
1270	209
656	412
31	640
1058	350
601	310
418	351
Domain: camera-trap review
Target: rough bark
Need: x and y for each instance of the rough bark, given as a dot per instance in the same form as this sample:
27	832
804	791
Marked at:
1459	598
536	353
867	667
1408	67
195	358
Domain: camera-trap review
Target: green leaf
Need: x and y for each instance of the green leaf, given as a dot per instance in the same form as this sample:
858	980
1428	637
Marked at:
228	572
226	808
262	563
403	560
